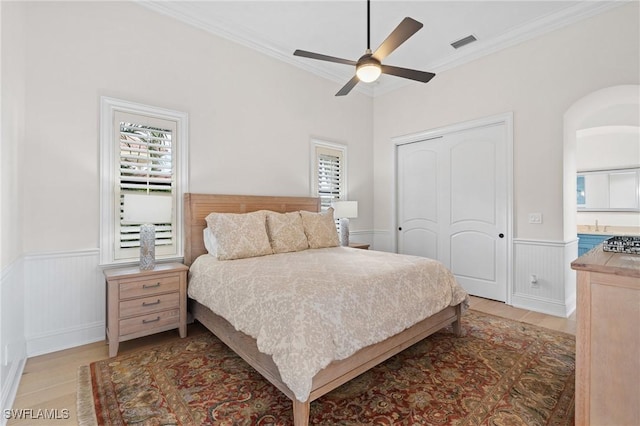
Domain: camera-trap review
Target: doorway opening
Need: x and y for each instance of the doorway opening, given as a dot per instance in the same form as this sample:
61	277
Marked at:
605	120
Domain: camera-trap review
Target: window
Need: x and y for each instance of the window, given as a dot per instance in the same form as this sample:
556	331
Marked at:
143	151
329	171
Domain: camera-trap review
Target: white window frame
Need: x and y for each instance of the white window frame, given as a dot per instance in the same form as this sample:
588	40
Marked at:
318	146
109	178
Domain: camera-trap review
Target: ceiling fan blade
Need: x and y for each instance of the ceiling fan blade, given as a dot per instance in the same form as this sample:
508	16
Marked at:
416	75
312	55
403	31
347	87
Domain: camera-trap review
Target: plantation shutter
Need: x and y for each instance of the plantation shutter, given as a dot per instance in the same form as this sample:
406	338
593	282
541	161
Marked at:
330	175
146	166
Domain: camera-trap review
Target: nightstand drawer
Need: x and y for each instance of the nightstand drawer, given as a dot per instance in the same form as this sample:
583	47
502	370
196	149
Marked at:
148	287
149	304
149	322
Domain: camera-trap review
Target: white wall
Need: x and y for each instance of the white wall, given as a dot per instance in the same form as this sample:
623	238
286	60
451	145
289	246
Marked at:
12	299
608	147
251	117
538	80
249	133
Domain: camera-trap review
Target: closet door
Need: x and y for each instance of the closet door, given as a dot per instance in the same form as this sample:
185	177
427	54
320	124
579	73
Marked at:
452	205
418	198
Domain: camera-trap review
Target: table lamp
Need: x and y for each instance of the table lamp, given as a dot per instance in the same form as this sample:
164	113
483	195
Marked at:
345	210
147	210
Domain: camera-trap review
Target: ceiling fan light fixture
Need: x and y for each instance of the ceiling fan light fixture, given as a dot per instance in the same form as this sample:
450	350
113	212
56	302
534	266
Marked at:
368	73
368	69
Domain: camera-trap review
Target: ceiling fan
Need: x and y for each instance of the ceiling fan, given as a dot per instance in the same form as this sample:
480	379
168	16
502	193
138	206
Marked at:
369	66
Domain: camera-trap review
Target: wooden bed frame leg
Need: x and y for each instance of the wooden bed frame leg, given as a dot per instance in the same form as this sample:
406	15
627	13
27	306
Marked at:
457	325
301	412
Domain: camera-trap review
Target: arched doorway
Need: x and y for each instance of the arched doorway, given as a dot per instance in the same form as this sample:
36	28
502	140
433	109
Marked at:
615	107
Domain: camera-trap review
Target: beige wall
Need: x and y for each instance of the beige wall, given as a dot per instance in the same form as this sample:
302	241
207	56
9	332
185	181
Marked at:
251	117
538	80
13	105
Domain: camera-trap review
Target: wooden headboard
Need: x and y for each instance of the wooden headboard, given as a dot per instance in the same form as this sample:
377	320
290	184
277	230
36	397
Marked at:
198	206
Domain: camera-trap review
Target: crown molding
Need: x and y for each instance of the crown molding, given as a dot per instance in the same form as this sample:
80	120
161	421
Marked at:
188	14
243	36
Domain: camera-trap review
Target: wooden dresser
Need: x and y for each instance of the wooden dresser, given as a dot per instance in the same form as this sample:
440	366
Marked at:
140	303
608	338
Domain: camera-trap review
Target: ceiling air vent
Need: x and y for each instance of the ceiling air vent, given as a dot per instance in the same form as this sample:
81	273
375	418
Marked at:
463	41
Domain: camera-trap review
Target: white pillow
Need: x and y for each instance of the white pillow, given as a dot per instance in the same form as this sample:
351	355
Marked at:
210	242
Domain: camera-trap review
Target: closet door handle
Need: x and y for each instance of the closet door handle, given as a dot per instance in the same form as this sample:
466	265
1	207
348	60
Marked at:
501	235
400	228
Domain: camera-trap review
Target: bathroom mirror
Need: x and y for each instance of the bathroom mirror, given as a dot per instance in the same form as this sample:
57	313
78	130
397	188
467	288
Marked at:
609	190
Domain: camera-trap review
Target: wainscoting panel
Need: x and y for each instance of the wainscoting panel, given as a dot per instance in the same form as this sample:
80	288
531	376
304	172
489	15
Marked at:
13	352
64	300
549	264
383	240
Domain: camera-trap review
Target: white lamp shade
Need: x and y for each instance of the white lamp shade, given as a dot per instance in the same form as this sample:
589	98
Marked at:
145	208
348	209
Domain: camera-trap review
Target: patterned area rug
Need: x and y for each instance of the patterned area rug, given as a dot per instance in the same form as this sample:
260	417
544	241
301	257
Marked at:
500	372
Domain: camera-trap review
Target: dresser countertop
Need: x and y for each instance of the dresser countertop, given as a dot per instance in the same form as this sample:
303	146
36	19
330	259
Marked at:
598	260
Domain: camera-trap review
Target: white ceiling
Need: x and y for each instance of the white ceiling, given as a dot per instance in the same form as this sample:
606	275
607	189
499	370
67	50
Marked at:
339	28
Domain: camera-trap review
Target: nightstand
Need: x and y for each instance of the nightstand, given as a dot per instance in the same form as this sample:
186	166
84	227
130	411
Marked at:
140	302
359	246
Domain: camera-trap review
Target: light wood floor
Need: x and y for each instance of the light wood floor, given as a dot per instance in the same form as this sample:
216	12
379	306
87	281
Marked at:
49	381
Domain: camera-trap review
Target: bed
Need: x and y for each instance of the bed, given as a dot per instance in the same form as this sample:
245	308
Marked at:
336	372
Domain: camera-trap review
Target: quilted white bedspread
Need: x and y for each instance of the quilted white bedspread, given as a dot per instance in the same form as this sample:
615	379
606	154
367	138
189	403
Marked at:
311	307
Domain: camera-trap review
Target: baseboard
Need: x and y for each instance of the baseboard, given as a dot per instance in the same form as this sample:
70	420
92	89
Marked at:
12	342
549	262
545	306
70	337
10	388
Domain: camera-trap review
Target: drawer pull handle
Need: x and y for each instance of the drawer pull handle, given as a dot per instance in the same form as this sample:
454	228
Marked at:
151	286
144	321
157	302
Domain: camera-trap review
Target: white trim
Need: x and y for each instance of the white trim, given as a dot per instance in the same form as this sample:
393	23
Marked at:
108	106
550	243
10	387
504	118
542	305
61	254
13	355
69	337
323	143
